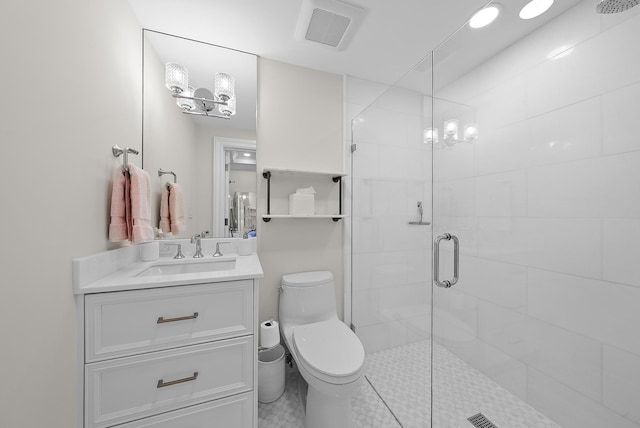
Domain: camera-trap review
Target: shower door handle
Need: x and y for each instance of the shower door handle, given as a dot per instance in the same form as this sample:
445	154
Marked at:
436	260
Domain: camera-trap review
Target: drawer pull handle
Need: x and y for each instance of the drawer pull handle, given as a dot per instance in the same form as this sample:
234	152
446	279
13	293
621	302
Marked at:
162	383
162	320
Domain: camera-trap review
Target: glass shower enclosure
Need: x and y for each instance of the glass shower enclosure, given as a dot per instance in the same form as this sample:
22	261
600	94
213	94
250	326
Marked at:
518	173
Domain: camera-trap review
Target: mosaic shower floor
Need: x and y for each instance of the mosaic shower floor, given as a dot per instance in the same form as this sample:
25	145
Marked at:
401	377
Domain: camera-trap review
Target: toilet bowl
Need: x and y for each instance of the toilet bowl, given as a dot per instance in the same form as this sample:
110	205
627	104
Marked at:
329	356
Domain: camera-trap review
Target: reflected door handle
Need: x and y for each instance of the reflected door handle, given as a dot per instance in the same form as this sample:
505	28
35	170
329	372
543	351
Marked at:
436	260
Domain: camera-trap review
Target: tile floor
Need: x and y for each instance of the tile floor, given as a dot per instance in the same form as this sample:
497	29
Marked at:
401	376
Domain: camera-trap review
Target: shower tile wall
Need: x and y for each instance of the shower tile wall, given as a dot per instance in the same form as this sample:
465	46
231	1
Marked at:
547	205
391	260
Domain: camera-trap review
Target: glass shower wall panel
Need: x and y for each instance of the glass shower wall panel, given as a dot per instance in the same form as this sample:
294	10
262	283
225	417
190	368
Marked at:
546	207
391	174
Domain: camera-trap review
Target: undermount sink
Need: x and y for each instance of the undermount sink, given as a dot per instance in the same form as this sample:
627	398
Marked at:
182	267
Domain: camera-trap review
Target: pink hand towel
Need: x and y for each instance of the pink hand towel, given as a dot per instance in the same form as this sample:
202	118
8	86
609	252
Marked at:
118	230
176	208
140	205
165	221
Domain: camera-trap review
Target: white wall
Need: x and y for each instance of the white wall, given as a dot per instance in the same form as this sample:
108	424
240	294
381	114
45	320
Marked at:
72	90
548	210
300	114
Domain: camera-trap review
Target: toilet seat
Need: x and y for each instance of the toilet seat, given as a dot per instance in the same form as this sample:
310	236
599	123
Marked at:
329	351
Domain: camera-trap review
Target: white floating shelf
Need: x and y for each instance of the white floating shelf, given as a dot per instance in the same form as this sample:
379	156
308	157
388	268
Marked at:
304	216
283	171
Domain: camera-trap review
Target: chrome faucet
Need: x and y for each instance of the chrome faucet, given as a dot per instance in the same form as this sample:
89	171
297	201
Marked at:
218	253
195	239
179	254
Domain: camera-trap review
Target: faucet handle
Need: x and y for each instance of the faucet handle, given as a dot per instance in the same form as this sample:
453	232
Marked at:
179	254
218	253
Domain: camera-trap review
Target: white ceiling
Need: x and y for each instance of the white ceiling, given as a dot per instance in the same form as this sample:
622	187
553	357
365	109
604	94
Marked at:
392	38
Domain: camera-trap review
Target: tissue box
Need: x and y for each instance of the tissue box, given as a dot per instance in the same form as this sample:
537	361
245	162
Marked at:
301	204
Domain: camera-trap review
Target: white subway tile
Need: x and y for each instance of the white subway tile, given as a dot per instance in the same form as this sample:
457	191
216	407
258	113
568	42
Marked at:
621	69
366	161
621	378
565	80
377	270
569	133
564	245
503	149
389	198
620	119
600	310
454	163
366	235
502	105
454	198
569	29
503	284
620	249
501	195
365	308
568	407
568	357
569	190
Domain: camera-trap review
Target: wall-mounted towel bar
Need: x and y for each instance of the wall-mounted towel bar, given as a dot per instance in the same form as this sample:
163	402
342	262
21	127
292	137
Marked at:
117	151
162	172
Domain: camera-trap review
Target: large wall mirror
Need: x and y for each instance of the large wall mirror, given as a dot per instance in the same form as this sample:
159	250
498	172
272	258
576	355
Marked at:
211	158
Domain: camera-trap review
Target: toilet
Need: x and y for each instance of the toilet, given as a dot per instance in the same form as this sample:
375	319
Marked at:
329	356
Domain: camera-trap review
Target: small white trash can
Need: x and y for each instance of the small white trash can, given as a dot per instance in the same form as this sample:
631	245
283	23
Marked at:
270	374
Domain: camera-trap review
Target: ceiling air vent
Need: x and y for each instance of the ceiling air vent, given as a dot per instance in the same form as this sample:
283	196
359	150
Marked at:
326	27
329	22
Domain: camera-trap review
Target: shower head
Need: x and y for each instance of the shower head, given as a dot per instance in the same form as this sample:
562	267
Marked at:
615	6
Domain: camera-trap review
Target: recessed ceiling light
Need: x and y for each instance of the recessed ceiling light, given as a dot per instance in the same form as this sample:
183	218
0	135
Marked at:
484	16
535	8
247	154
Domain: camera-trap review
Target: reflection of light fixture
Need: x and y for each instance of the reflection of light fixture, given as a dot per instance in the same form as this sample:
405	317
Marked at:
484	16
451	134
535	8
201	101
560	52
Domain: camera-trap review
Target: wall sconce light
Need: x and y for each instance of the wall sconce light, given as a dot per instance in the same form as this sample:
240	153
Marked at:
201	102
451	134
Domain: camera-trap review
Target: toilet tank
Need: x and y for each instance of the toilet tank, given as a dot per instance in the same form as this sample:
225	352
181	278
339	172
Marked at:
307	297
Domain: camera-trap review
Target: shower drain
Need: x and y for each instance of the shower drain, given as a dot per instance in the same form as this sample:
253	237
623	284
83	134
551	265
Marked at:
481	421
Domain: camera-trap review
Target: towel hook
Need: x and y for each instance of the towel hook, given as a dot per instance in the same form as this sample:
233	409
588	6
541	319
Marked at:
162	172
117	151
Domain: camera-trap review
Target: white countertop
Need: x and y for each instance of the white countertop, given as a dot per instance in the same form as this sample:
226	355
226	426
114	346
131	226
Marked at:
246	267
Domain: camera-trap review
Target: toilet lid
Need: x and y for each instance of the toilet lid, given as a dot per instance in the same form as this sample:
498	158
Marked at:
329	347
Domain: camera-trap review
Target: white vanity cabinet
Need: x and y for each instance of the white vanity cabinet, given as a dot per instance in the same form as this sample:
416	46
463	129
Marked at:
172	356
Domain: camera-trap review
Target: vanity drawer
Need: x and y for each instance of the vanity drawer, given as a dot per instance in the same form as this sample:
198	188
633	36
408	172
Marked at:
231	412
130	388
133	322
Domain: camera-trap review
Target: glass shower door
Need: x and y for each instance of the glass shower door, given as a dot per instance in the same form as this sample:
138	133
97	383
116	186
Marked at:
540	186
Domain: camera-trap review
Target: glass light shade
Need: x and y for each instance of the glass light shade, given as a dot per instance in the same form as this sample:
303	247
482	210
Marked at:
225	86
451	129
484	16
431	135
229	109
471	132
535	8
176	77
184	103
